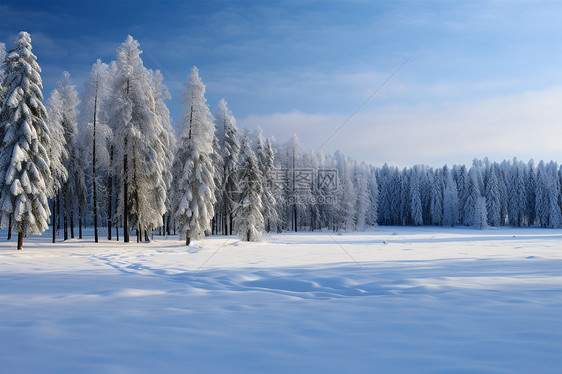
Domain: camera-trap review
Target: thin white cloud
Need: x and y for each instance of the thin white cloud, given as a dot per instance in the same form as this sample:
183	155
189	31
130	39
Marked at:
526	125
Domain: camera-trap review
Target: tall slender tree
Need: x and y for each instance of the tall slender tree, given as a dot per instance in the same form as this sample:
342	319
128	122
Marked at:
24	155
193	170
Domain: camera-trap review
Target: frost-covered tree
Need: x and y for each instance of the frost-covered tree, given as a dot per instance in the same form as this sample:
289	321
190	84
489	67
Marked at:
480	220
230	161
372	212
266	163
95	134
2	72
361	192
24	151
165	148
249	221
193	171
415	196
450	200
493	198
472	198
74	189
436	198
138	125
57	153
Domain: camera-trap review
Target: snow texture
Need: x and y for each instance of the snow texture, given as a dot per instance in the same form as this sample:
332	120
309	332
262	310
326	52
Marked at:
394	300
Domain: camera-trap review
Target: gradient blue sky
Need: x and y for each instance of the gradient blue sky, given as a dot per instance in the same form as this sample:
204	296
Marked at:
484	78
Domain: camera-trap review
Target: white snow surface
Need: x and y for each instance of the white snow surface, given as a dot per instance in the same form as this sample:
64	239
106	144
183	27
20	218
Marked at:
391	300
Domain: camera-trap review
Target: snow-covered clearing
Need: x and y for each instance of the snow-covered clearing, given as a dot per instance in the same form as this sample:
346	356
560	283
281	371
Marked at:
393	300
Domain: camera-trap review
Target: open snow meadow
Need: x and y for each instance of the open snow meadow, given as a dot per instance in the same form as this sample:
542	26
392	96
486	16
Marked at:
391	300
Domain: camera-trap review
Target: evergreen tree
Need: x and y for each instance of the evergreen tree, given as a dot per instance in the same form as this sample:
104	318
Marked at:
493	202
24	158
74	189
193	167
450	201
57	152
266	163
248	211
230	160
472	199
138	123
94	131
415	196
2	72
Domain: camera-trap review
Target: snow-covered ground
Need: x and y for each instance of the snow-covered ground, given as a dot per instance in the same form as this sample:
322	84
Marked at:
392	300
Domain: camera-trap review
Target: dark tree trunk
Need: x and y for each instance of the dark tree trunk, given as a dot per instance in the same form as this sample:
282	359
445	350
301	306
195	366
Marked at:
110	200
54	220
65	224
10	228
187	239
138	235
20	240
125	196
79	223
72	226
94	196
146	238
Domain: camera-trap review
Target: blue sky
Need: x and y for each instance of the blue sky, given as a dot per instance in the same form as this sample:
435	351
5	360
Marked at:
484	78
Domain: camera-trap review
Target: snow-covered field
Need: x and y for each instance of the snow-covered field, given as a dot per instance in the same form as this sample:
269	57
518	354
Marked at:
392	300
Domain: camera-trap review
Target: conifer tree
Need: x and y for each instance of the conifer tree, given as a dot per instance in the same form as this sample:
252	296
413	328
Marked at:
24	158
450	201
95	132
230	161
193	171
248	212
266	163
57	153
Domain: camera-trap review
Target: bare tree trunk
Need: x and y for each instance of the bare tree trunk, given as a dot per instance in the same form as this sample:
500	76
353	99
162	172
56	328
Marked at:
110	200
20	239
54	219
65	224
79	223
187	238
94	196
125	196
146	239
10	228
72	226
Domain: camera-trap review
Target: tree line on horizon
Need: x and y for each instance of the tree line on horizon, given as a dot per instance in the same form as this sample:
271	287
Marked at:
110	158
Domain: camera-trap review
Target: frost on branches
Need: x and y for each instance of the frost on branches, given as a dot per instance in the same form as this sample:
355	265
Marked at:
193	170
248	213
136	120
24	158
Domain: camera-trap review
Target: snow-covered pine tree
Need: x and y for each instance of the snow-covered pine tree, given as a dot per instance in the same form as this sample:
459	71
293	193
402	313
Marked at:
24	157
362	201
266	163
480	219
136	123
166	147
346	195
450	200
415	196
73	191
248	218
2	72
57	153
472	198
372	212
493	199
436	197
194	186
95	134
230	160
